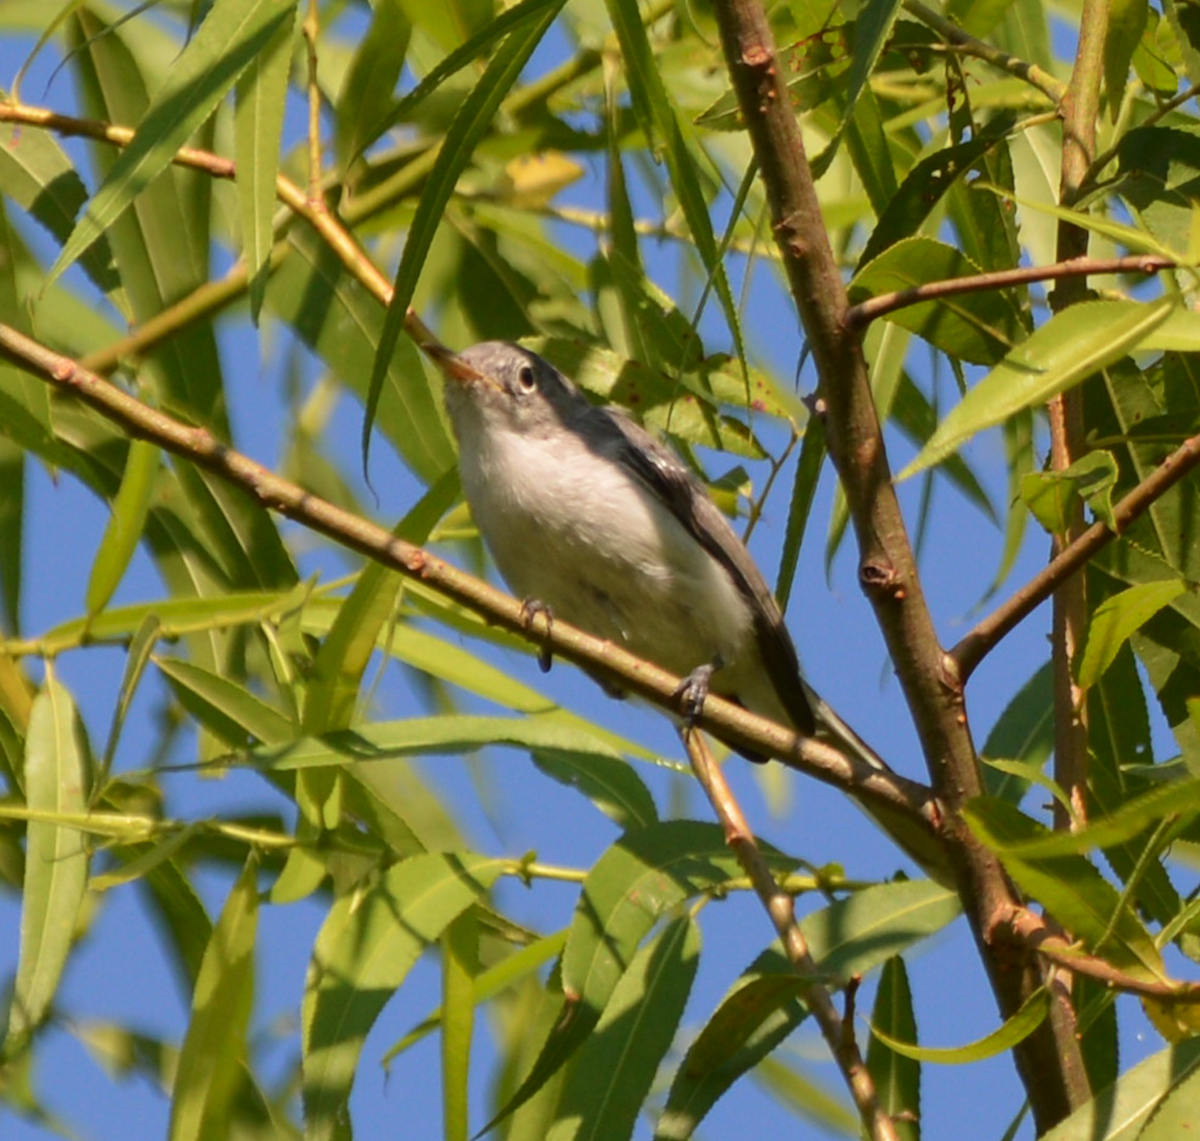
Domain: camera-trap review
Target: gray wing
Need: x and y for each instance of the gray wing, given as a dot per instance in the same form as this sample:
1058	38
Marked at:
688	500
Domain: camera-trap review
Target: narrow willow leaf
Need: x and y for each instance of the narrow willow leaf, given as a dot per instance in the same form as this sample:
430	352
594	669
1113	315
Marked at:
225	706
897	1078
463	54
605	1091
1133	817
671	133
1116	619
809	1097
314	293
233	33
610	784
12	526
1071	346
40	178
872	29
1051	495
126	525
1070	888
258	127
853	935
176	617
337	672
1014	1031
137	657
1178	1114
56	861
453	733
460	965
643	875
490	983
214	1046
758	1014
366	947
922	189
1125	1109
473	120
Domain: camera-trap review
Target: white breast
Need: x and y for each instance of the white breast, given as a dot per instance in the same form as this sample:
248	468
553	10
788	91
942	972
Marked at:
578	533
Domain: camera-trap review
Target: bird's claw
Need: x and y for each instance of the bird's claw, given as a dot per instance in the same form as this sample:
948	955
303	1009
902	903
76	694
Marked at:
692	692
530	609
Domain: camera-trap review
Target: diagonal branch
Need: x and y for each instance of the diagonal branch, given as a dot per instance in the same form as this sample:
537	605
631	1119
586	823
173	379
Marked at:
724	719
972	648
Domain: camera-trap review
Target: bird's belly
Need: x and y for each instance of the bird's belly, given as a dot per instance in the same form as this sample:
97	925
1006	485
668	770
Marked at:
608	558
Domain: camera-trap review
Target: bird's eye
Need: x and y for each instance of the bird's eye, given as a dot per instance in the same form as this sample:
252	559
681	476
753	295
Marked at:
526	379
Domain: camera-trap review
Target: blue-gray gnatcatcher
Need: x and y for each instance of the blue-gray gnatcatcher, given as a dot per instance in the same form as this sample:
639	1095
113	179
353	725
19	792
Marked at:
586	513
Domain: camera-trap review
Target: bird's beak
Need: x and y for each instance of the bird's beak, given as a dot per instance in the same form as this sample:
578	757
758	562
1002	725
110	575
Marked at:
453	366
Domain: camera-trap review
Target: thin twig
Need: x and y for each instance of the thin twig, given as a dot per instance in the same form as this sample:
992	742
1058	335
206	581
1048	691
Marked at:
724	719
972	648
1032	930
837	1032
1035	76
867	311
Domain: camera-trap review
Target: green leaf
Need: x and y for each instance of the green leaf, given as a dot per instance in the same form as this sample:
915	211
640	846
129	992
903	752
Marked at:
37	175
258	127
176	617
872	29
233	33
56	861
366	947
1116	619
761	1010
1014	1031
671	134
1068	887
126	525
1070	347
472	122
367	91
225	706
332	313
923	188
1126	23
337	672
630	887
1126	1110
855	934
617	1065
452	733
1051	494
897	1078
610	784
214	1048
460	965
846	940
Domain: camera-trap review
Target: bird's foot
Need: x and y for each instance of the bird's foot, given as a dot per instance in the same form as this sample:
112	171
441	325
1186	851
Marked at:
692	691
530	609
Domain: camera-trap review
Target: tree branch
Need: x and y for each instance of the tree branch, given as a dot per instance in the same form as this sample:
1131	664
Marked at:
837	1032
724	719
975	645
861	315
1053	89
887	567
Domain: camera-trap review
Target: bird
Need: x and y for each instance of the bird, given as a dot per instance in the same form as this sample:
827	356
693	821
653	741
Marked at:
588	515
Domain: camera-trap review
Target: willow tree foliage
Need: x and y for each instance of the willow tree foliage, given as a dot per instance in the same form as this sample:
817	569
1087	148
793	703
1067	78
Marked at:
887	276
